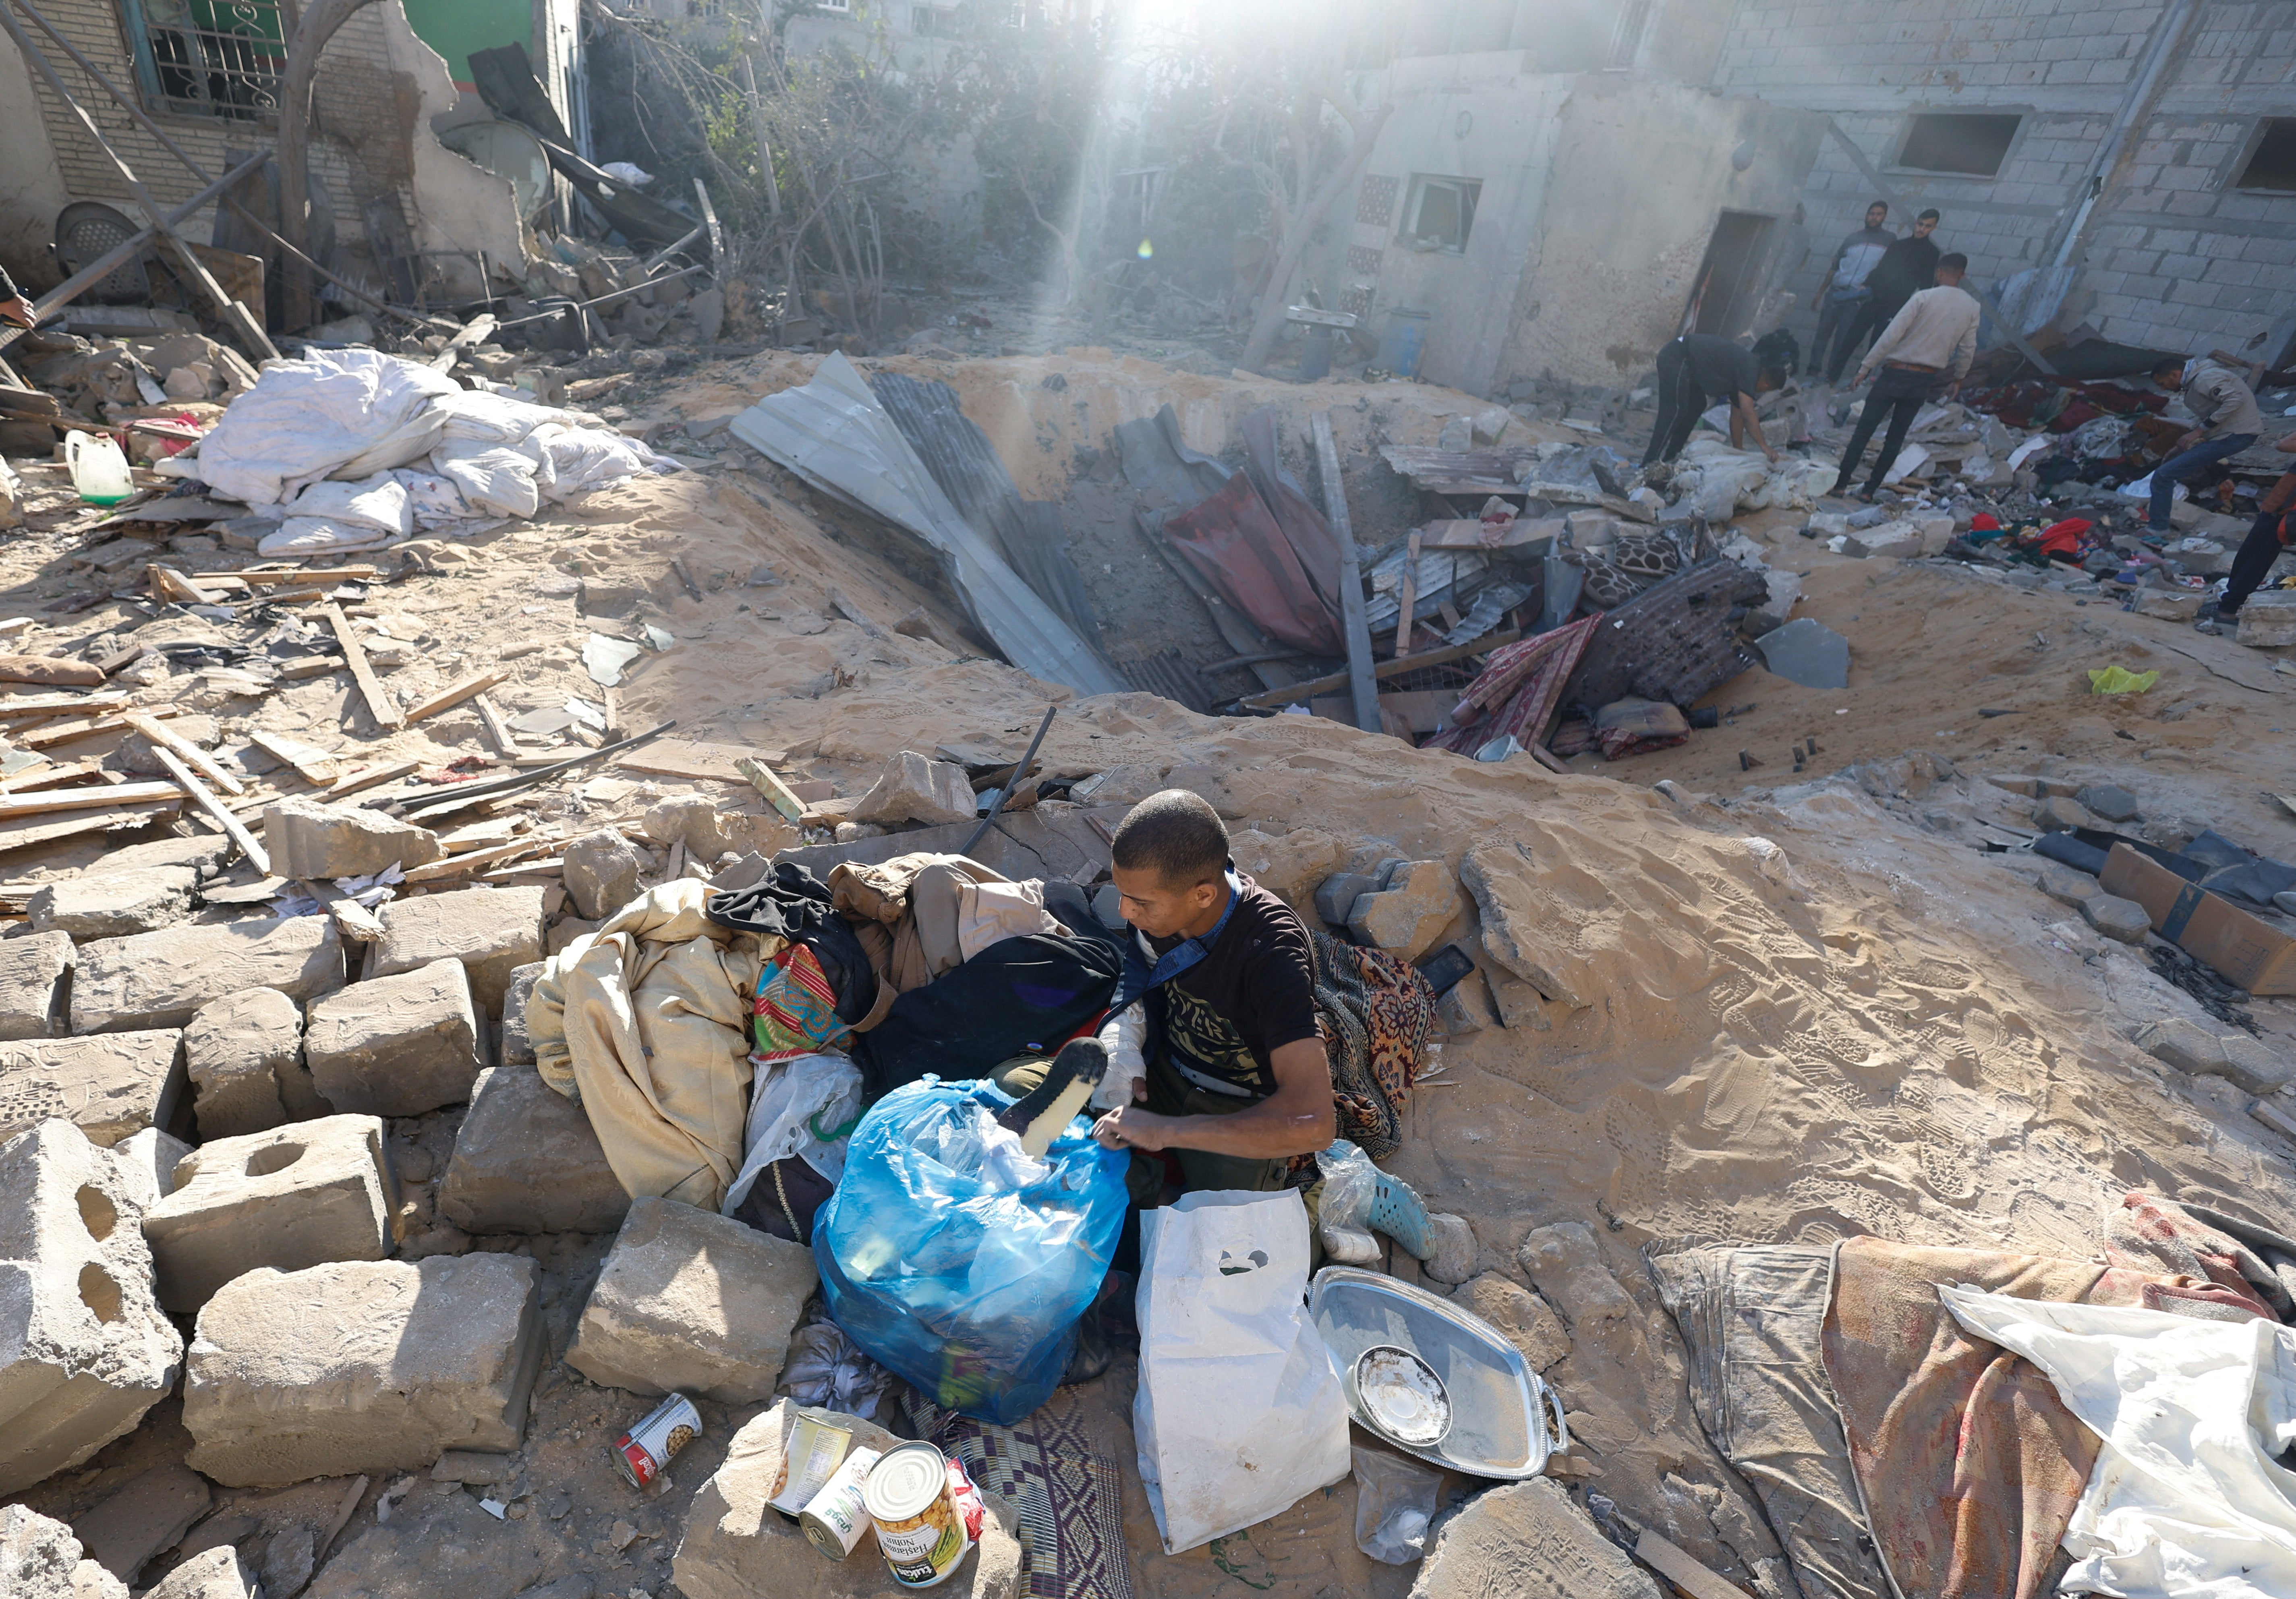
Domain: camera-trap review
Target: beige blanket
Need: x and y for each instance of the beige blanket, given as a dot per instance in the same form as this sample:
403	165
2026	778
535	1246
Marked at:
645	1024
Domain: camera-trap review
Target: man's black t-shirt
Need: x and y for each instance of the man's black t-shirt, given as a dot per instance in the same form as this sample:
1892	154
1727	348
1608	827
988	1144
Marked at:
1252	993
1906	268
1719	368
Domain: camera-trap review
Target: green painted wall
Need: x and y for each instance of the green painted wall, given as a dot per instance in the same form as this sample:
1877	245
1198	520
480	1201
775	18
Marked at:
455	28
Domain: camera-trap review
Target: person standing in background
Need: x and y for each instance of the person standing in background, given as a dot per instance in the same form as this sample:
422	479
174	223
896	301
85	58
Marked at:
1845	291
1906	268
1933	335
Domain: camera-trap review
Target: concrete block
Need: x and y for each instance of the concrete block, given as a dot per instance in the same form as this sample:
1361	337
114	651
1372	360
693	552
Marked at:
1288	865
2066	886
151	1511
692	1302
308	839
40	1559
84	1348
2186	1045
1524	1319
525	1160
1465	1006
2109	801
204	853
2268	620
516	1047
361	1365
109	1086
1514	933
912	789
114	907
1405	917
737	1547
2257	1065
146	1162
1335	898
35	985
1454	1260
2056	815
601	872
242	1052
217	1573
1529	1540
2110	914
397	1045
697	822
492	931
2168	607
293	1197
162	978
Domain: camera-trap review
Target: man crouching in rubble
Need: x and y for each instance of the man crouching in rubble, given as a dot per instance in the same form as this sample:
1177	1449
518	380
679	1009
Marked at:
1236	1082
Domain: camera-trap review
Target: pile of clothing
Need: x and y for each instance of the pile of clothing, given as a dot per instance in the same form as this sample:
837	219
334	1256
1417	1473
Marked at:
1951	1422
352	450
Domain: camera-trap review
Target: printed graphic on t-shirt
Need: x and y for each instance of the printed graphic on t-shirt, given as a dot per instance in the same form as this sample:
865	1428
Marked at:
1205	1041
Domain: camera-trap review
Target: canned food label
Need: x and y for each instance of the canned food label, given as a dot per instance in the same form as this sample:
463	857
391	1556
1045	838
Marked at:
816	1450
834	1519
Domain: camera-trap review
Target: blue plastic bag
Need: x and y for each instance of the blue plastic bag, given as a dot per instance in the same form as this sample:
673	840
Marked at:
954	1261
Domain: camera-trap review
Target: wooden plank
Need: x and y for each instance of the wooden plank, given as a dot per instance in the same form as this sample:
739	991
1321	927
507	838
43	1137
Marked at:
164	738
207	801
168	584
368	777
353	919
716	762
498	733
776	793
1361	684
330	576
479	860
50	705
313	765
446	699
1408	597
42	773
123	818
14	807
1385	668
387	715
1692	1576
50	671
64	732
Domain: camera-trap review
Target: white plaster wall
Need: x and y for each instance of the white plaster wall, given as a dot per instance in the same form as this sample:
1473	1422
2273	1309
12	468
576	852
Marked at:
458	207
32	187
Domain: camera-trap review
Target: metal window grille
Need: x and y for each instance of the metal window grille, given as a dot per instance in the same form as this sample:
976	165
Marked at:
208	58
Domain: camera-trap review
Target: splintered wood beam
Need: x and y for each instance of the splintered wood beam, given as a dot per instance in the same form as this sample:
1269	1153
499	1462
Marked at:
379	705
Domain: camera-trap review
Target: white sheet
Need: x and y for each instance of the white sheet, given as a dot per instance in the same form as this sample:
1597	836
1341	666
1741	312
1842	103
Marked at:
2185	1499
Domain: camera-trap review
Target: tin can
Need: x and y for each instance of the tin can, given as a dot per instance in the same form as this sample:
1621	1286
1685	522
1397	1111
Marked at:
832	1522
918	1528
640	1454
817	1448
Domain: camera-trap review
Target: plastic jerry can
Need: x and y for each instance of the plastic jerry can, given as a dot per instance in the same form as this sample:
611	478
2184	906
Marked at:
99	471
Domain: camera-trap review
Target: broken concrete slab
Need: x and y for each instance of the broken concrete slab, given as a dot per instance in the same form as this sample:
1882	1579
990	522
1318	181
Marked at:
2124	919
216	1573
1515	934
40	1559
601	872
737	1546
108	1086
309	840
149	1514
204	853
244	1054
1807	652
913	789
146	1162
2066	886
1520	1316
1527	1540
2060	815
2268	621
162	978
293	1197
469	1466
492	931
361	1365
1288	865
84	1349
114	906
2249	1063
397	1045
697	822
1465	1006
1416	902
2168	607
516	1046
525	1160
1336	896
1565	1265
34	985
1454	1260
2109	801
692	1302
2258	1065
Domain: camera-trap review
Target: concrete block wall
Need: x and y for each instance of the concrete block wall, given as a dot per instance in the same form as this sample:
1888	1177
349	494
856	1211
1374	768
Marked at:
2175	257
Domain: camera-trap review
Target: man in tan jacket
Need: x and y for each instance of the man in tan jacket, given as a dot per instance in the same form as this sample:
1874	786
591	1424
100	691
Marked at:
1934	336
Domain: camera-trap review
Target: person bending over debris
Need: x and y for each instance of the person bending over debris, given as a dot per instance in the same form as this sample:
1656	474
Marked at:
2275	530
1237	1078
1935	333
1697	369
1905	269
14	307
2226	423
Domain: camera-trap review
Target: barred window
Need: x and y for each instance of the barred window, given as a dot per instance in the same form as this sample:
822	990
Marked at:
207	58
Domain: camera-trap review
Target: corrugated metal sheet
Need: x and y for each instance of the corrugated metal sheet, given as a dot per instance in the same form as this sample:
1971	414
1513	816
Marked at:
832	433
1166	674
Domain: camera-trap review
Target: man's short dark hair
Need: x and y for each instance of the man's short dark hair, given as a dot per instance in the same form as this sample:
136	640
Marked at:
2167	364
1879	205
1176	835
1955	262
1929	215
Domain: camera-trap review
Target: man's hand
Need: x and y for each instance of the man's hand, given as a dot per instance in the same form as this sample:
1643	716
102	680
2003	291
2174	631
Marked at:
1953	390
1131	1128
2287	444
2190	440
18	311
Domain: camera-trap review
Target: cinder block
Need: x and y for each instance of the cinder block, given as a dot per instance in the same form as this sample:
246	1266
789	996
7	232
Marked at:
35	985
146	1161
525	1160
244	1054
517	1043
217	1573
162	978
361	1365
492	931
692	1302
308	839
397	1045
293	1197
114	906
84	1348
109	1086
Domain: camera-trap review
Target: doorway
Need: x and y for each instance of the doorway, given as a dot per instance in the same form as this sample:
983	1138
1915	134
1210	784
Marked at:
1722	295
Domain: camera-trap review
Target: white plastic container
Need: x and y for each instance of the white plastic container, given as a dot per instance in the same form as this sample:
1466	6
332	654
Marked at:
99	471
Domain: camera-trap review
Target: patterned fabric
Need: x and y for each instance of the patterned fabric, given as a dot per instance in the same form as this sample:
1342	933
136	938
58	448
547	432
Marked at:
1521	684
1069	1497
796	1012
1617	571
1376	1012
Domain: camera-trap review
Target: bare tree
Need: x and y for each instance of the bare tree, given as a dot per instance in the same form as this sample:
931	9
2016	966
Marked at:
317	24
